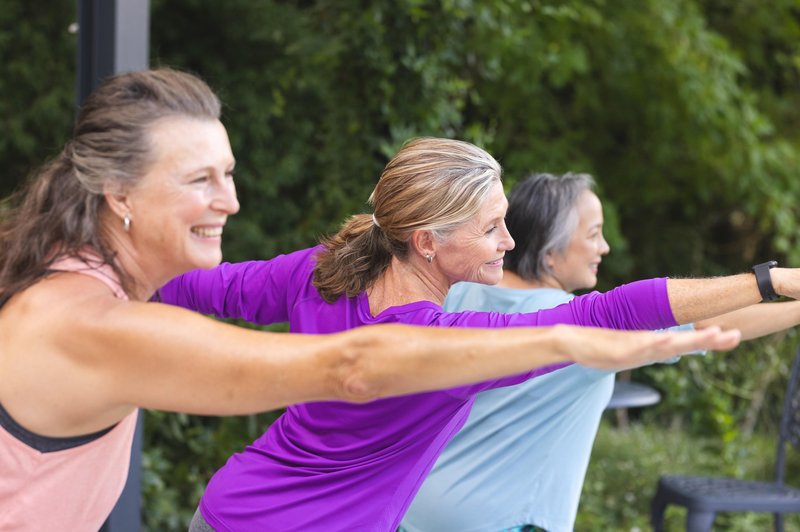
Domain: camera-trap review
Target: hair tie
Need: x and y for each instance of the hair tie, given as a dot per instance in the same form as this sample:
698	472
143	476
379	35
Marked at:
375	221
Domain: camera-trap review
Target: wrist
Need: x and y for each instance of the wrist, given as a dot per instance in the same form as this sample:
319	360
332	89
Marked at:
783	279
777	275
766	280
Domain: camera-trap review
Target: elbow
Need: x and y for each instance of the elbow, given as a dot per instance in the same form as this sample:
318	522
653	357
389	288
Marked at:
359	388
357	376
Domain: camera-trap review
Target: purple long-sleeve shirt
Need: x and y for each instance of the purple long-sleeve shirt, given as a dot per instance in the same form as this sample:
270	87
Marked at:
339	466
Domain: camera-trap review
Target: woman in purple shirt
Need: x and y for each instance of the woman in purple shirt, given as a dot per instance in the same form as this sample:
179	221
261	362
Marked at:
438	219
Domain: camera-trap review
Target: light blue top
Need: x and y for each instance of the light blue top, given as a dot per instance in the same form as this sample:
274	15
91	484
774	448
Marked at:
522	455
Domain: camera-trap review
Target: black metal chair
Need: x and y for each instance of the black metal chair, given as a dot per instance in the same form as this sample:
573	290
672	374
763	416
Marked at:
703	497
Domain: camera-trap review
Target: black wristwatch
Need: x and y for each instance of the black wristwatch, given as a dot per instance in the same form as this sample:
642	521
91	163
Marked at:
764	280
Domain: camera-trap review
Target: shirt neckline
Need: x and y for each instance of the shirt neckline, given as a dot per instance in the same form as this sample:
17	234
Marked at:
363	307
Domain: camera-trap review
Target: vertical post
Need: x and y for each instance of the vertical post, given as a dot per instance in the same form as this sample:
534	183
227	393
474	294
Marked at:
113	37
127	514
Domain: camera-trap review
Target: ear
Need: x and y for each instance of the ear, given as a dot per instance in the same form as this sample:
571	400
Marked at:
549	258
423	243
117	200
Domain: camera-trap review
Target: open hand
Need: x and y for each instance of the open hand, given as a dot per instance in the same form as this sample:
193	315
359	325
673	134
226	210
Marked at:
611	349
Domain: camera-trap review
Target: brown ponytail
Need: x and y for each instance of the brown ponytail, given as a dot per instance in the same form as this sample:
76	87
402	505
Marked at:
354	258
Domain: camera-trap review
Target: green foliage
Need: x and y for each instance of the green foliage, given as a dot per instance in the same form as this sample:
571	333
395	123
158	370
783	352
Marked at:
685	111
626	464
768	41
724	395
181	453
37	82
642	94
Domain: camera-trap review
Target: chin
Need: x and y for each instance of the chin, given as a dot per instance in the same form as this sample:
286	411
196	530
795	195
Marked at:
207	262
490	280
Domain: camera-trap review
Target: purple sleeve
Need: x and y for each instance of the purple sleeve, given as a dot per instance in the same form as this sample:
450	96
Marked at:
257	291
642	305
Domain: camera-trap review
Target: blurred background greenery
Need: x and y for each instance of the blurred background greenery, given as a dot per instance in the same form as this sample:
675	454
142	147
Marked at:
686	112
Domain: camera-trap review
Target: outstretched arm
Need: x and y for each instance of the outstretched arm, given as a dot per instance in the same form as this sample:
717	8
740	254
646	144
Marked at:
757	320
239	371
88	369
258	291
693	300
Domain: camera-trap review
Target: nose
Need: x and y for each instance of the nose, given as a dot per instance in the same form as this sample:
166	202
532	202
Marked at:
225	199
507	242
604	247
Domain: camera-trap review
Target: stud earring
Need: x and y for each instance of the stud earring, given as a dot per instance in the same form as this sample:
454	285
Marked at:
429	258
126	223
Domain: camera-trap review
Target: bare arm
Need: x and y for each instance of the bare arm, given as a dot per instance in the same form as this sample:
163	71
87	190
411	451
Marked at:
89	368
238	371
694	300
436	358
757	320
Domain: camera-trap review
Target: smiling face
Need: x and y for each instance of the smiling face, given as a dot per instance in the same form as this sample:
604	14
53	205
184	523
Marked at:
474	250
576	268
179	207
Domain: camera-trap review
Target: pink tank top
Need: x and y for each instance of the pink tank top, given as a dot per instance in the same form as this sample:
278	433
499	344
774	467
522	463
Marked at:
73	489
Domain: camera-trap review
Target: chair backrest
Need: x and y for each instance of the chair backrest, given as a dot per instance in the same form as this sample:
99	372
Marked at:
790	420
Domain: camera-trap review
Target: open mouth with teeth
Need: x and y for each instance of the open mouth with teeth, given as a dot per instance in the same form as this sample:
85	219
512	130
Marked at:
207	232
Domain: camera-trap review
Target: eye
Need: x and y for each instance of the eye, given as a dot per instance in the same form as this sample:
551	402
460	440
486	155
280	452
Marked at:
199	179
230	173
491	230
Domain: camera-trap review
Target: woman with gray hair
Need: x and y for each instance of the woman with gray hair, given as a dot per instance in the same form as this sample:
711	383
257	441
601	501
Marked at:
520	460
439	218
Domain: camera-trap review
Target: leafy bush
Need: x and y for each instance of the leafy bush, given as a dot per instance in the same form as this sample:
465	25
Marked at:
626	464
181	453
724	395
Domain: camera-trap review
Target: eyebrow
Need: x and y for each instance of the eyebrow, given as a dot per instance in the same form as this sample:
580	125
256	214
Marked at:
210	168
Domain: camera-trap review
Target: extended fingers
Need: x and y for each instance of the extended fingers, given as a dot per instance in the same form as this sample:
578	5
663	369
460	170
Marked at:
711	339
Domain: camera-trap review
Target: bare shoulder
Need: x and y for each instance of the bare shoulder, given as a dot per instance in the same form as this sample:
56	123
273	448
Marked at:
41	330
50	320
64	297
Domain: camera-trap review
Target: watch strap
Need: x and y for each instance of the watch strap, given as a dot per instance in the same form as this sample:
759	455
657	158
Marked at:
764	280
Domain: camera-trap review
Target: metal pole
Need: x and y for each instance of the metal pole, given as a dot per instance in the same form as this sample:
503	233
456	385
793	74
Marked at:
113	37
127	514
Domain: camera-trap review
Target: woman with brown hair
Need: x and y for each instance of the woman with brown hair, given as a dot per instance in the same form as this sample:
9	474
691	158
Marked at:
139	195
438	219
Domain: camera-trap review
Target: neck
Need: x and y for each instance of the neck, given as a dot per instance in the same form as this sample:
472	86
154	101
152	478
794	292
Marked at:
513	280
405	282
129	261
